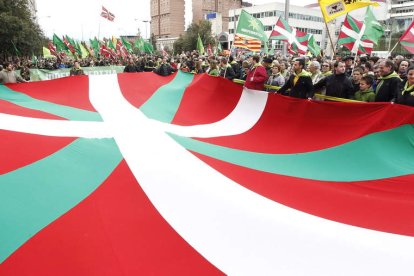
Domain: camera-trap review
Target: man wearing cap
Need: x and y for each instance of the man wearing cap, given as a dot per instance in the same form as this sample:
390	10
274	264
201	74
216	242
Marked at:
349	66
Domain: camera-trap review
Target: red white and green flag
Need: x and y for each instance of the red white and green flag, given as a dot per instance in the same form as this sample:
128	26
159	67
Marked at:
297	40
351	35
137	174
407	39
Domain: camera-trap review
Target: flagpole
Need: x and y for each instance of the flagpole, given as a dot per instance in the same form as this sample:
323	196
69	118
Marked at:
393	48
330	39
232	46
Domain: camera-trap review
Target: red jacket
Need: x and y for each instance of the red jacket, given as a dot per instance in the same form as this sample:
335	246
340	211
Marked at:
256	78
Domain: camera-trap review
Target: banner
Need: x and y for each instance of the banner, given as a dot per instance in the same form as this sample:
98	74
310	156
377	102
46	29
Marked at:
43	74
140	174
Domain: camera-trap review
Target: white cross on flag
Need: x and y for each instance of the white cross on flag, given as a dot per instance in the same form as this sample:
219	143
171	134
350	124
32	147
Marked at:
351	36
107	14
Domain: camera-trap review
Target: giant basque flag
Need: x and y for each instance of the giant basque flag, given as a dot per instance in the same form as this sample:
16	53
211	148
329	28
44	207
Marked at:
138	174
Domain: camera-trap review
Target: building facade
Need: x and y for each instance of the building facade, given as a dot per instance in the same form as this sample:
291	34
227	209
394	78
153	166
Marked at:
401	14
201	8
304	19
167	21
168	16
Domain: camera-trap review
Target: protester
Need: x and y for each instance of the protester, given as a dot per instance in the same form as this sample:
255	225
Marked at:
402	69
365	92
389	83
337	85
164	69
76	69
356	78
406	93
314	68
226	71
275	79
299	83
8	75
213	71
257	75
236	67
131	67
349	65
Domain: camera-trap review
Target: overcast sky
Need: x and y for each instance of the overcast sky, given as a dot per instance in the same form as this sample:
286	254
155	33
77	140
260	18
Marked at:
81	18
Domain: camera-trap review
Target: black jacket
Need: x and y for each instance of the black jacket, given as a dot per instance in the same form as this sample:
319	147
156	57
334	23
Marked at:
388	90
405	97
164	70
302	89
337	85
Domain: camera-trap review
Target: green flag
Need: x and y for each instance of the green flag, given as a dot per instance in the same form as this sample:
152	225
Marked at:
250	26
111	44
75	45
60	46
95	46
313	47
373	29
140	44
126	44
200	46
15	49
148	48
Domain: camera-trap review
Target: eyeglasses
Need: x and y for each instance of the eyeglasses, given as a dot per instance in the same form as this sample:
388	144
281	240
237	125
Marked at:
325	65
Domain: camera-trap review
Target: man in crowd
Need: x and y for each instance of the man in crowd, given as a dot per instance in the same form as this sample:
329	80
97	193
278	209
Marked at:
164	69
349	65
76	69
299	83
402	69
314	68
226	70
8	75
257	75
388	84
337	85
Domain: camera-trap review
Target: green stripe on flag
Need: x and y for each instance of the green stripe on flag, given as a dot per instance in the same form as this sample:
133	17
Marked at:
67	112
34	196
376	156
408	44
346	40
163	105
353	24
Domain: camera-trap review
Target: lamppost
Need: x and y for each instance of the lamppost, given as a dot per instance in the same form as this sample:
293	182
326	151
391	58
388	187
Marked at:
146	27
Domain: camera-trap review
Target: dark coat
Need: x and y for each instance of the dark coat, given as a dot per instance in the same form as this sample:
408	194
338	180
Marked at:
405	97
388	90
302	89
337	85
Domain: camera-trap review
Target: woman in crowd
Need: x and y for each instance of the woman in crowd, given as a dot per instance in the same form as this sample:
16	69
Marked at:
275	79
406	93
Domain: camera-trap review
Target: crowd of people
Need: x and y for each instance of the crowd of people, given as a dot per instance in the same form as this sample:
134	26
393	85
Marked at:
363	78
